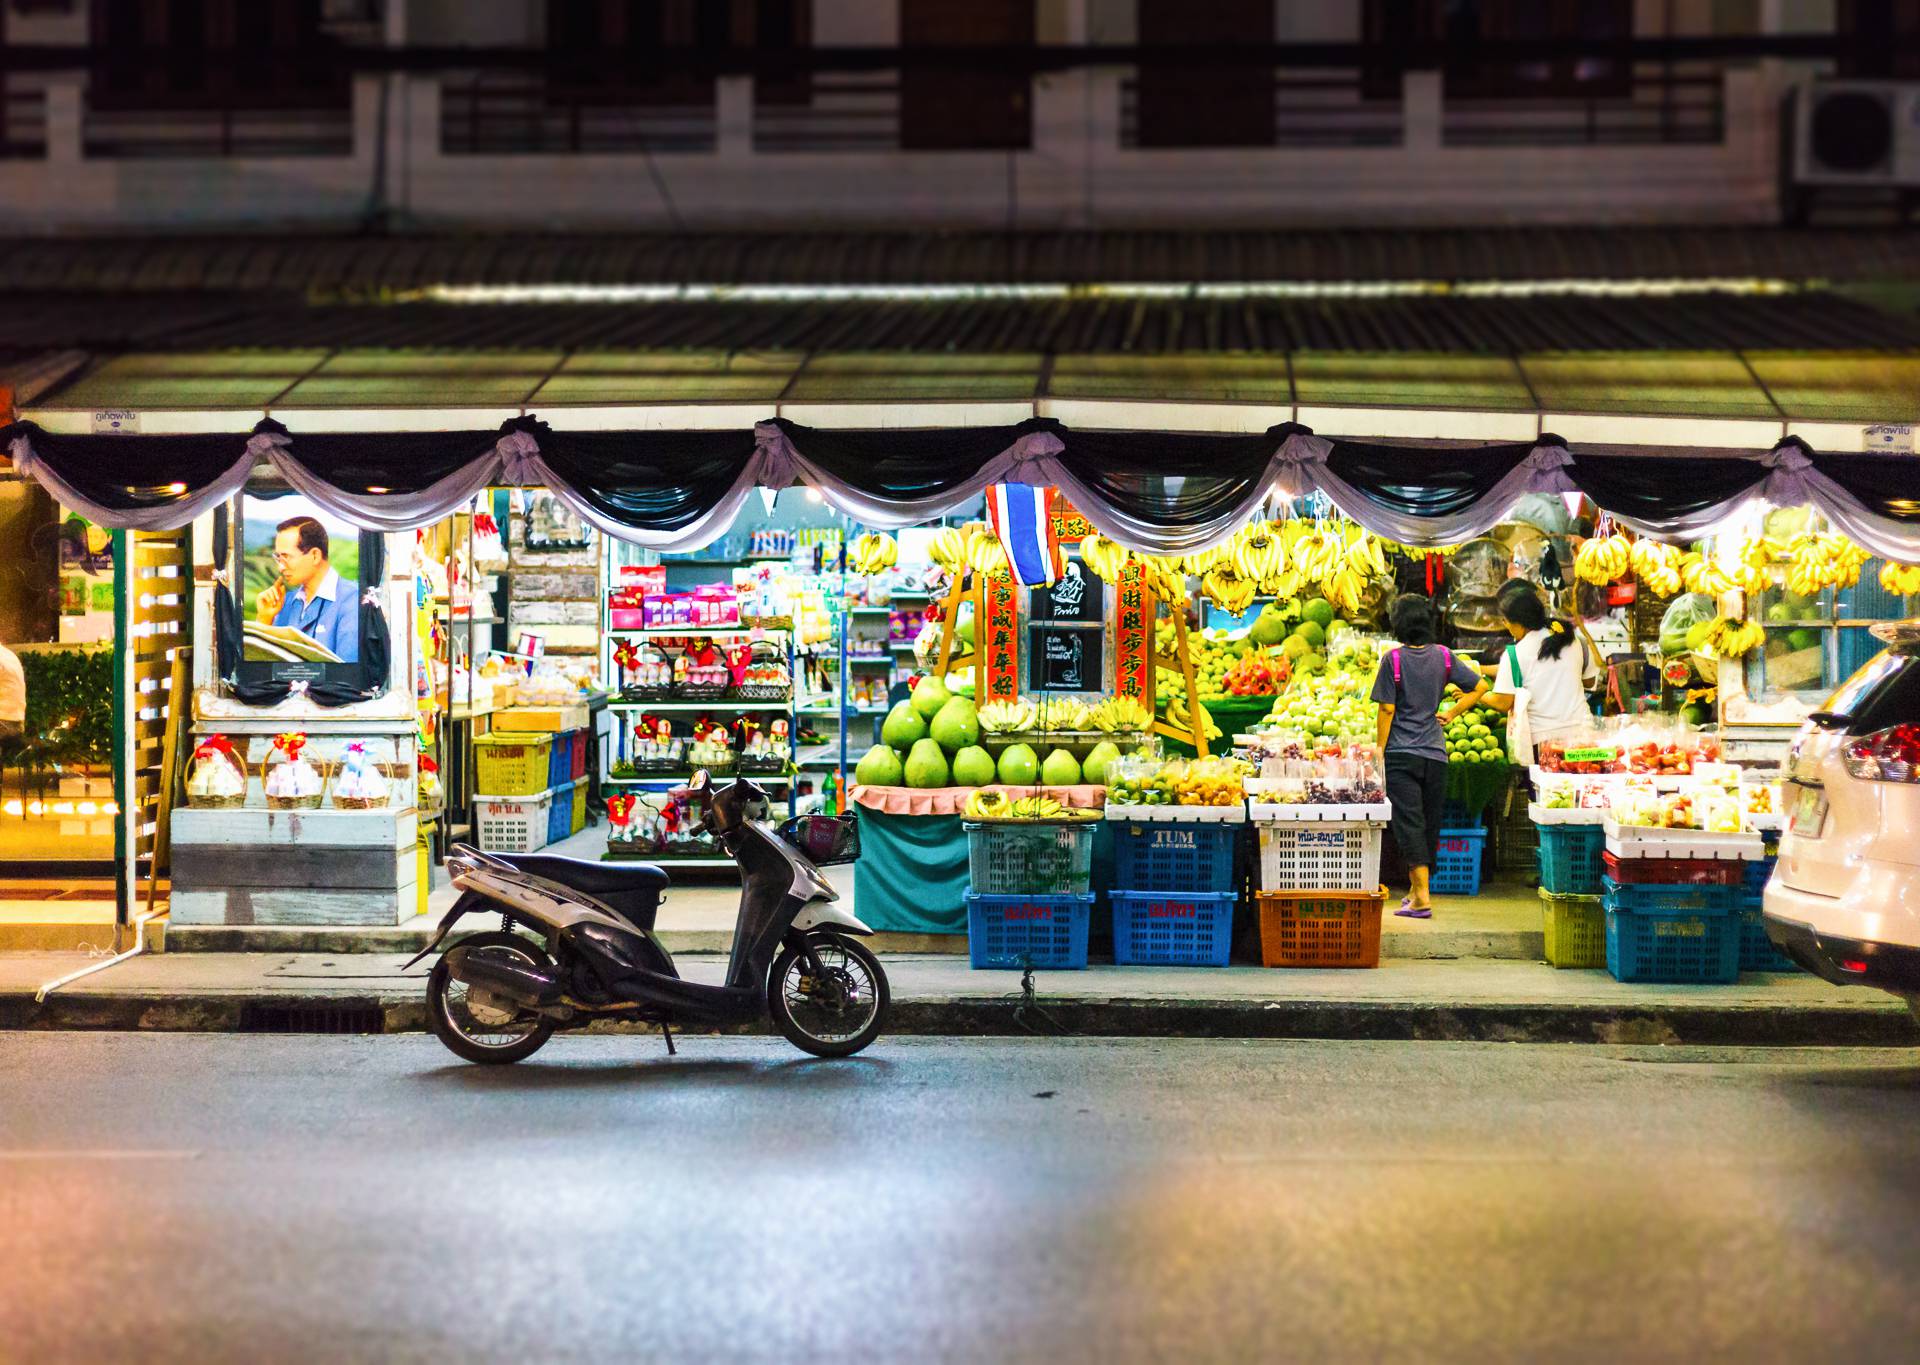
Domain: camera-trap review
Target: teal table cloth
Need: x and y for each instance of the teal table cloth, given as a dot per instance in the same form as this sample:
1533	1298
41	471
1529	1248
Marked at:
912	873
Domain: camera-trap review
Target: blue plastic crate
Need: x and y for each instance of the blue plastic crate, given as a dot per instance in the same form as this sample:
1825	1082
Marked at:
1673	949
1757	953
1187	856
1662	898
1455	815
1570	859
560	760
1028	931
1178	929
1758	870
560	816
1456	867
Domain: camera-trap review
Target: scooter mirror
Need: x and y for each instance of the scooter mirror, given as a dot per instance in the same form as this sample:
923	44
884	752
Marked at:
699	781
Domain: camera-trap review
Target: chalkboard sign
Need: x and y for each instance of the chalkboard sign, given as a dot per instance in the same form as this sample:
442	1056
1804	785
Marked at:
1078	596
1066	658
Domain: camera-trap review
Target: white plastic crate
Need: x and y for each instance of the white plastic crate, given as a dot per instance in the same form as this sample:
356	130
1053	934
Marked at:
1311	856
1646	841
512	824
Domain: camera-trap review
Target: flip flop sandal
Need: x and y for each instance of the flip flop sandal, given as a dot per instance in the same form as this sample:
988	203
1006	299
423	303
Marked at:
1411	911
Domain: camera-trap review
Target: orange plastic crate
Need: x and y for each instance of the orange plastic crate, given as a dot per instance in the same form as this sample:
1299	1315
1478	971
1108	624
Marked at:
1321	928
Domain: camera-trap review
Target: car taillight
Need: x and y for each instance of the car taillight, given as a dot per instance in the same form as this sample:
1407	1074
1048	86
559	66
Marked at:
1886	755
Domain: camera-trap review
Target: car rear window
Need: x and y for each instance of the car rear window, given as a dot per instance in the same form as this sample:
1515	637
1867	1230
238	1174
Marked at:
1886	691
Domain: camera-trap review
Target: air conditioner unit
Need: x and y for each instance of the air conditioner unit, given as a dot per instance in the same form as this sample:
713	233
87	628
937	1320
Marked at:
1857	132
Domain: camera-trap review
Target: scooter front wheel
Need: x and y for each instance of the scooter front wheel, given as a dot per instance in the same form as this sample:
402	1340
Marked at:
837	1011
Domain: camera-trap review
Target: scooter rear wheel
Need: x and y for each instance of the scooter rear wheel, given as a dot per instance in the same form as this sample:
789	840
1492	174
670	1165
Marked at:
832	1018
474	1033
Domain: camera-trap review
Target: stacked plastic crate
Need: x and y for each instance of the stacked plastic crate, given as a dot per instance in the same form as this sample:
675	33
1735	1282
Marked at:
1173	883
1672	899
1319	891
1572	844
514	791
1757	953
1029	892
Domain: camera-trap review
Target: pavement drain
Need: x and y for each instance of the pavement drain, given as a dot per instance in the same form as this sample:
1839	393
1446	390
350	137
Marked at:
332	1016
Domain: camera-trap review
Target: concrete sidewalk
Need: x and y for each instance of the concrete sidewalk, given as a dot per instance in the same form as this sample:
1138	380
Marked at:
1405	998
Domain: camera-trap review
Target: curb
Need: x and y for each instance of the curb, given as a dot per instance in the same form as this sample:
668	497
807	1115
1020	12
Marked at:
1370	1021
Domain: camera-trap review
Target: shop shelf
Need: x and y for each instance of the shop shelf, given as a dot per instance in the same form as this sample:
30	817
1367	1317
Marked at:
1173	857
1321	928
1029	859
513	765
1016	932
1172	929
1655	898
1571	859
1676	949
1757	953
1672	871
1575	930
759	779
1456	866
513	824
1319	857
685	706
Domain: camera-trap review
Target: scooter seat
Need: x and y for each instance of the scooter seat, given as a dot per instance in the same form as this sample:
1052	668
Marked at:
593	877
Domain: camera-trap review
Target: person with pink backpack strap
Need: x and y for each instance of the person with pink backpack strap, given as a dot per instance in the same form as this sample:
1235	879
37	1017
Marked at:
1412	743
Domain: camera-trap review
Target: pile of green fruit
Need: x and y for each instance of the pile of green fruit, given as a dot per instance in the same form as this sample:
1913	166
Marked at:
1299	632
1478	736
932	739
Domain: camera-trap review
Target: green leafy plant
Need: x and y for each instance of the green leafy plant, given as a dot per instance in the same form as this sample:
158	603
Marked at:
69	705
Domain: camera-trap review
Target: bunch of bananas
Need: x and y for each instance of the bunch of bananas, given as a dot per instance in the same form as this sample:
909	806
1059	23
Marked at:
1201	562
1753	570
1164	575
1063	713
949	550
985	553
1118	713
1103	558
986	805
1037	808
872	553
1823	561
1223	586
1177	715
1657	566
1705	575
1901	579
1259	552
1602	560
1730	639
1008	717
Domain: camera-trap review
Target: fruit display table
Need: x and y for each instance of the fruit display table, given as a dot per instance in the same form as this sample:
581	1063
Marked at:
912	874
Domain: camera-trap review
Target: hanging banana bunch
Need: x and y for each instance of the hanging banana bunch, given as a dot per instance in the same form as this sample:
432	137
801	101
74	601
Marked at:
949	551
1822	561
1705	575
1730	639
1259	552
1165	575
1602	560
1753	569
872	553
1657	566
1201	562
1902	580
1225	588
985	554
1103	558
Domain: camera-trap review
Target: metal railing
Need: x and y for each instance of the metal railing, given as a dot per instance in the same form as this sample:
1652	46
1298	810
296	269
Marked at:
512	115
23	124
1331	108
183	132
855	112
1654	109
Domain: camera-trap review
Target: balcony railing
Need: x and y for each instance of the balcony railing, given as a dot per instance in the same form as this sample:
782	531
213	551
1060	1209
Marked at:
1655	108
850	113
131	134
490	116
23	123
1310	109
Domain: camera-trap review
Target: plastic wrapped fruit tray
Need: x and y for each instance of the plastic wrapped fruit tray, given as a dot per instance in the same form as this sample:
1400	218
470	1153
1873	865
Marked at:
1235	814
1647	841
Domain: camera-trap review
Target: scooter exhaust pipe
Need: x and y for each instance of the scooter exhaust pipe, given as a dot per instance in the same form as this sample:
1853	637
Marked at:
510	979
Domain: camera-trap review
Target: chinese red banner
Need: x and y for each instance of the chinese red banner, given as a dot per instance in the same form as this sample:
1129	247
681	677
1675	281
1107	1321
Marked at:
998	656
1133	637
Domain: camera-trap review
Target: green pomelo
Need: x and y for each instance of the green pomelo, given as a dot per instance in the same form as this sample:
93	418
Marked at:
903	727
973	767
929	695
1803	638
926	765
1019	765
957	725
1697	634
1313	633
1269	627
1094	769
1061	769
1319	611
878	767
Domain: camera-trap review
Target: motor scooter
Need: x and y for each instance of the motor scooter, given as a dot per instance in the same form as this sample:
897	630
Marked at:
497	996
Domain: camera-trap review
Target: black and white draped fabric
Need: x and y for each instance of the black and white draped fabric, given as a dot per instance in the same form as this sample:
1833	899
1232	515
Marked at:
1158	492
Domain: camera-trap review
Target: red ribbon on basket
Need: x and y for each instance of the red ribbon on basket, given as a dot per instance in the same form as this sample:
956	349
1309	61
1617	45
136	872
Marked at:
620	809
626	654
215	746
290	743
484	524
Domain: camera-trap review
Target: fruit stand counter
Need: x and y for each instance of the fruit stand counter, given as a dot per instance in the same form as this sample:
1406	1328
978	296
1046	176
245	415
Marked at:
912	874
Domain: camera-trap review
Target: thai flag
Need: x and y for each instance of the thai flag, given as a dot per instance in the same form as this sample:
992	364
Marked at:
1021	514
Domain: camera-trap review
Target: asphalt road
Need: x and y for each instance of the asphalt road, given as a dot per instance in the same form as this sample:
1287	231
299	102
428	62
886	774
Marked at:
227	1198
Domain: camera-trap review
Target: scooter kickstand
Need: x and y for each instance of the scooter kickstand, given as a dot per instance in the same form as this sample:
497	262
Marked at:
667	1033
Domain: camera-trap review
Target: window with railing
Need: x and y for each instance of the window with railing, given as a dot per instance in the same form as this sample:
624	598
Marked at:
23	121
980	108
1463	25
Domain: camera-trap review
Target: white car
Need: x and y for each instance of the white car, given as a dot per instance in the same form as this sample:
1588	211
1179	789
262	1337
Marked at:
1844	899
